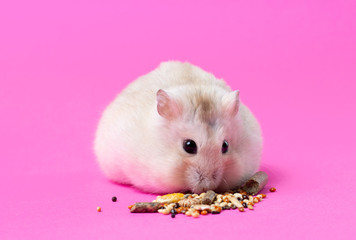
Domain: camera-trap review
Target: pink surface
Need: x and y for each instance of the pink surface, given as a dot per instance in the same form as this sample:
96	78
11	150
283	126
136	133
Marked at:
61	62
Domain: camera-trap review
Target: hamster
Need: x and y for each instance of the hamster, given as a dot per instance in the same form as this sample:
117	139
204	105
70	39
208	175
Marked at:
176	129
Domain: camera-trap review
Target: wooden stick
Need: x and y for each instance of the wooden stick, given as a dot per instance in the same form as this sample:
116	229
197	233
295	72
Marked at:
256	183
146	207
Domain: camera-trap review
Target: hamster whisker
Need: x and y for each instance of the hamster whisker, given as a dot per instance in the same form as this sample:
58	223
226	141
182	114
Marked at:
225	182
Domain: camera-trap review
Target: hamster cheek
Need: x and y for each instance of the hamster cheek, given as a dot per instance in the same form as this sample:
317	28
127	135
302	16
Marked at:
172	179
233	175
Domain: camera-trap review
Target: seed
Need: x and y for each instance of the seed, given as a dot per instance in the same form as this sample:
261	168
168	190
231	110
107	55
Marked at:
188	202
235	202
98	209
201	207
215	209
209	197
195	214
179	210
237	195
165	211
195	205
170	198
113	199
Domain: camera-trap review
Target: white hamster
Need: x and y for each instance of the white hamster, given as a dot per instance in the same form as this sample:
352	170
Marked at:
178	128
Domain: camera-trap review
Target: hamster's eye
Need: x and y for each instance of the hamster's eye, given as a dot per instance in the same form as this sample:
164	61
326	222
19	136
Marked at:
225	147
190	146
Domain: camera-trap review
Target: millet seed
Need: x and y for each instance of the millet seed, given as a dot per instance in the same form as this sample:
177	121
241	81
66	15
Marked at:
195	214
204	212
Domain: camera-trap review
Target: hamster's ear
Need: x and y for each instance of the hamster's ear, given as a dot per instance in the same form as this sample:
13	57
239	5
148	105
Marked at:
231	103
167	107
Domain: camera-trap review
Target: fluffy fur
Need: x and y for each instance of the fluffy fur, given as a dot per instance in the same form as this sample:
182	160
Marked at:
139	140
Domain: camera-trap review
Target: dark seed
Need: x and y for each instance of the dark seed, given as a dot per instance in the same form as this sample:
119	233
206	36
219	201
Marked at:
163	207
177	205
244	197
173	211
215	212
244	205
114	199
173	215
239	198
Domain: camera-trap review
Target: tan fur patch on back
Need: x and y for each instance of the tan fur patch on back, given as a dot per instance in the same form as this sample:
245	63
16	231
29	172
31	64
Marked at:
205	108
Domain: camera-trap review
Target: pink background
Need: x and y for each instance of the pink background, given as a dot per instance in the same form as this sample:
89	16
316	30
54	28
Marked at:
62	62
